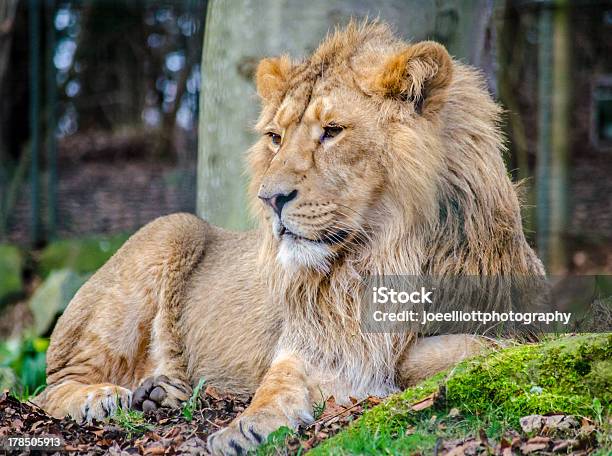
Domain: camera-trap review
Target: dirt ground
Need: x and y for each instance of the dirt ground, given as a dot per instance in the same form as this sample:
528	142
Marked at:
161	432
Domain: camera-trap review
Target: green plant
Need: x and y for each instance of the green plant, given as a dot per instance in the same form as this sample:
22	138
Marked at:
319	407
598	411
132	421
276	443
192	404
604	425
23	365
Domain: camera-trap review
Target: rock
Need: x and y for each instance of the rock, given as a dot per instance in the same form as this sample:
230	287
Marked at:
52	297
11	266
550	425
532	423
556	424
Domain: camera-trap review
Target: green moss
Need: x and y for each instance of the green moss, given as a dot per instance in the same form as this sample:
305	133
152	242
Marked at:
599	379
492	392
559	376
79	255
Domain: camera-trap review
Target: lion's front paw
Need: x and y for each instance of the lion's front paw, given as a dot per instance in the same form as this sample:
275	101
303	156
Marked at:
160	391
249	431
100	401
242	434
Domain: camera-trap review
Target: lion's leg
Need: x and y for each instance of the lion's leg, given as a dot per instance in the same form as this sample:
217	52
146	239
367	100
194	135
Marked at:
121	327
90	368
166	385
284	398
431	355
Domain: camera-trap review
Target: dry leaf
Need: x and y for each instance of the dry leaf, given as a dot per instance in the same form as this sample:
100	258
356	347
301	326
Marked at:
535	444
565	445
154	450
425	403
483	437
332	410
213	392
373	400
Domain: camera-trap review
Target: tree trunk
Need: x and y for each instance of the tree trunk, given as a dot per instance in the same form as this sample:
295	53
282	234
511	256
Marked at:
8	10
238	34
553	141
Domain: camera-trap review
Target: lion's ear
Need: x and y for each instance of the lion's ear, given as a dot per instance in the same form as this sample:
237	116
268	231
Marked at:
419	73
272	77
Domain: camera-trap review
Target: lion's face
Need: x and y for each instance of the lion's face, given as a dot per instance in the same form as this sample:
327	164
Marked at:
323	175
323	167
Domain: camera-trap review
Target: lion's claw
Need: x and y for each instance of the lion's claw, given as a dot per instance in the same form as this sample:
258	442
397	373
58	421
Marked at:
103	402
243	434
249	431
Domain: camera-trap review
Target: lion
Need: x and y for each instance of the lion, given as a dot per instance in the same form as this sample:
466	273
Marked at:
375	156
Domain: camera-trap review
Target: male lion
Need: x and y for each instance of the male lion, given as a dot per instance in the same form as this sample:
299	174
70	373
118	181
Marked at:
376	157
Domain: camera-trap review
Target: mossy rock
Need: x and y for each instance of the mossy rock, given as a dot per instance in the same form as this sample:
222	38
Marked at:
52	296
11	269
79	255
569	375
561	376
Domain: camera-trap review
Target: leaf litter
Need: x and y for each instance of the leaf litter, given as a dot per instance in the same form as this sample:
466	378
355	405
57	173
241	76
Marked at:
168	432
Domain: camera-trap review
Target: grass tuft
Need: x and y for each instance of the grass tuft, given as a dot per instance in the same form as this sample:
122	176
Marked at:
192	404
132	421
276	443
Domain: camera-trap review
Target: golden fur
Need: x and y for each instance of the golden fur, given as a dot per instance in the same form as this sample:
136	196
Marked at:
389	158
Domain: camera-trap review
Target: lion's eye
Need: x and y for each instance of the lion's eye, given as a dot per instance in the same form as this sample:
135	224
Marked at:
331	131
275	138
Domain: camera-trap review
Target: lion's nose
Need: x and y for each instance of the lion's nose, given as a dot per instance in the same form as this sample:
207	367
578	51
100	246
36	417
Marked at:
278	200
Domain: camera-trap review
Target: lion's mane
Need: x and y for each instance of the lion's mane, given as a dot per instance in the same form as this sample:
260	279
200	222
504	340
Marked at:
464	218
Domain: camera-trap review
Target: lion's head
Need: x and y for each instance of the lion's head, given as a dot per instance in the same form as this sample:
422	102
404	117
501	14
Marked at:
386	154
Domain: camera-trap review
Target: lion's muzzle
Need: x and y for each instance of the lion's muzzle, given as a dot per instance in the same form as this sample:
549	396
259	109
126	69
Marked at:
278	200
